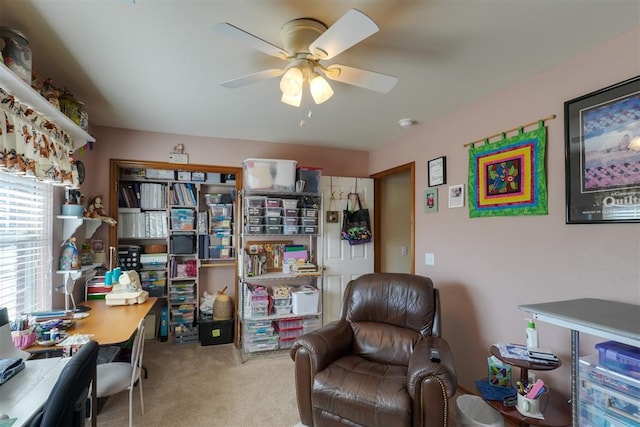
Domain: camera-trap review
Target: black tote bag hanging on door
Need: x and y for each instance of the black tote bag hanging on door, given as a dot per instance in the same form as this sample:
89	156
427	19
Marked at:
356	226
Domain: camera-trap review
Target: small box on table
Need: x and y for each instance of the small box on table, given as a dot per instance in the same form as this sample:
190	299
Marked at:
499	373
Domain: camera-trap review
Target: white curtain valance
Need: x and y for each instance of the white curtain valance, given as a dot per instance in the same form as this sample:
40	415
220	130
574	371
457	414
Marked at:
32	145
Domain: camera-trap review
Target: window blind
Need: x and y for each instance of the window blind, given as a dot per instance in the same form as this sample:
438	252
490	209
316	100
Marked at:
25	244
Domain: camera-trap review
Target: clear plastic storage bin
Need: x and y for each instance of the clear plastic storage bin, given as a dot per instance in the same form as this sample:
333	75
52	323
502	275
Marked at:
269	174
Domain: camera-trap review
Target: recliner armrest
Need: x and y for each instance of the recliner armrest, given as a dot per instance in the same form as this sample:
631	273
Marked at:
326	344
420	365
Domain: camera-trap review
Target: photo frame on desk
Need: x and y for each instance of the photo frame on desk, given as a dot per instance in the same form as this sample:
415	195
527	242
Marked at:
437	171
273	250
602	155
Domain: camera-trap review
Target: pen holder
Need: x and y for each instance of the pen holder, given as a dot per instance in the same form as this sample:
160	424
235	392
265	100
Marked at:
23	339
529	407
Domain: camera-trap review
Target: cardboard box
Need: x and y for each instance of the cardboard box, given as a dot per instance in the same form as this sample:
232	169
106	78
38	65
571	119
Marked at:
213	177
184	176
160	174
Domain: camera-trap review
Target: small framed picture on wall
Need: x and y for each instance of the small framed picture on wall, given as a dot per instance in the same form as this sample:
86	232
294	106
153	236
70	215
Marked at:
456	196
437	171
431	200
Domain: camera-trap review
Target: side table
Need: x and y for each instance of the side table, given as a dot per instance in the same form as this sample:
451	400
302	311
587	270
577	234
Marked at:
556	409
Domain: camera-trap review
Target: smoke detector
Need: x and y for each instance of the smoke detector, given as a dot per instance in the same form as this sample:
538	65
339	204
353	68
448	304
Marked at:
407	123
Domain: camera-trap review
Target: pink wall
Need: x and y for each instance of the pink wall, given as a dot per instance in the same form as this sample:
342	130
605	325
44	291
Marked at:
112	143
486	267
150	146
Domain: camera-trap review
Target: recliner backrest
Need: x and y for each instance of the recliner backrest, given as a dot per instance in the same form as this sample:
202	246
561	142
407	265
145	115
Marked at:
389	314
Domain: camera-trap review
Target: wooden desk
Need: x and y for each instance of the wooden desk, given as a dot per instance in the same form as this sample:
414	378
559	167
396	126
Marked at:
109	325
112	324
23	395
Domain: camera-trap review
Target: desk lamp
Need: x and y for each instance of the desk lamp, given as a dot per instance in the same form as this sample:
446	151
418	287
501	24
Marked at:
69	285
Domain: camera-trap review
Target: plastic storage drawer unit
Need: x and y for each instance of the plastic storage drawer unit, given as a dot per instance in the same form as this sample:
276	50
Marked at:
620	357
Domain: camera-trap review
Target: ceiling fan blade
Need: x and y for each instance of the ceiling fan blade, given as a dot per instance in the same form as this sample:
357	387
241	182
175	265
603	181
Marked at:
378	82
353	27
249	39
252	78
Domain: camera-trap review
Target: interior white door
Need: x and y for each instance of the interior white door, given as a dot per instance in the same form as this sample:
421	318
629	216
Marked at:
342	262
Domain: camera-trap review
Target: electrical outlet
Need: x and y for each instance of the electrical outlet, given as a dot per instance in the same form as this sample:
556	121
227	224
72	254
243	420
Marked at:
532	377
429	258
404	250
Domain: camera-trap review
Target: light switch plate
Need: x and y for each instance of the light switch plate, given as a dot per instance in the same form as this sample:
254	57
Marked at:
429	258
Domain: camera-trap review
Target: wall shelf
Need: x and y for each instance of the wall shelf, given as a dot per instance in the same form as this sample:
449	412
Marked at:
76	274
71	224
27	95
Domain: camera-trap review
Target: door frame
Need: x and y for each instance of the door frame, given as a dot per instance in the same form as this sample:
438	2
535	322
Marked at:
378	202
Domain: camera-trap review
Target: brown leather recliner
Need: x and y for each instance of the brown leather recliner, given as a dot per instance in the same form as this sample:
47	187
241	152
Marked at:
372	367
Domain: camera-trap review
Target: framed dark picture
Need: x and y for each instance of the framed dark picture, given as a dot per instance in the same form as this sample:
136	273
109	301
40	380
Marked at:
602	155
437	171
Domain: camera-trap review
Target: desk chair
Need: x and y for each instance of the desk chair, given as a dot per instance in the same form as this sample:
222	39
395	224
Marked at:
116	377
66	405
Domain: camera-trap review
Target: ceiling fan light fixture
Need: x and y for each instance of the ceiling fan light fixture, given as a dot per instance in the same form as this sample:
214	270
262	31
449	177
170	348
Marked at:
319	88
294	101
291	82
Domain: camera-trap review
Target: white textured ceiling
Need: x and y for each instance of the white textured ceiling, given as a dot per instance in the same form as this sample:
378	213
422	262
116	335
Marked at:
155	65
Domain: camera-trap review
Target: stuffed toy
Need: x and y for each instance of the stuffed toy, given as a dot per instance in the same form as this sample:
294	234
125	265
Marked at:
95	209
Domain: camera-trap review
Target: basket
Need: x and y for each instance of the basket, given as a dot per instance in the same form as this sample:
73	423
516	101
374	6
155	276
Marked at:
155	249
23	339
305	301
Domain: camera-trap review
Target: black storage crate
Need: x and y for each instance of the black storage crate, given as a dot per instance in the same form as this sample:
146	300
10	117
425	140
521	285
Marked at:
183	244
214	332
154	290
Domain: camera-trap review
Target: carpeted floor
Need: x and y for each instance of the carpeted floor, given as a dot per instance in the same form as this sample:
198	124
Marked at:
191	385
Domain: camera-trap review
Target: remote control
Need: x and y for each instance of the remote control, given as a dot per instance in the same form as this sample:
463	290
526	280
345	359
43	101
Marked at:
435	355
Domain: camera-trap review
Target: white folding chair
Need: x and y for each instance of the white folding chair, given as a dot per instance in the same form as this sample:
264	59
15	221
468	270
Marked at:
116	377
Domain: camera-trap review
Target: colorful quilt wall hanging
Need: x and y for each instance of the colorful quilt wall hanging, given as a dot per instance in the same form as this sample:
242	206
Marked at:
508	177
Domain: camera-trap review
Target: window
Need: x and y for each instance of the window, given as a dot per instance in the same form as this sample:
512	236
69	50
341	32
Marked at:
25	244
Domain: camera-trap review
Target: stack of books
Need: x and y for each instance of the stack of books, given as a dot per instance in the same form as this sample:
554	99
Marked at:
543	354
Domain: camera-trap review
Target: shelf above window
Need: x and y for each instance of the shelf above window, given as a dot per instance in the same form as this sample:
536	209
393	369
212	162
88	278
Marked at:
27	95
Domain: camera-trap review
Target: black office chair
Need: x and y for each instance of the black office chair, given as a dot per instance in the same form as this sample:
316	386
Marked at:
66	405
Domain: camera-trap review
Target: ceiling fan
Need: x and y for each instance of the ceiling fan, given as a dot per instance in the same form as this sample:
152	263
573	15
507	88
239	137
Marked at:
307	42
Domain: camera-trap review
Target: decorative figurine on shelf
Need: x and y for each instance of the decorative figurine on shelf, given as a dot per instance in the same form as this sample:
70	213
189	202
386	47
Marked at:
96	210
69	258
